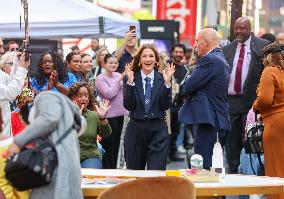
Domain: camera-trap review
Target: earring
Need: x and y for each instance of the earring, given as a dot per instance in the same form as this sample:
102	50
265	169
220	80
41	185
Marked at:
139	64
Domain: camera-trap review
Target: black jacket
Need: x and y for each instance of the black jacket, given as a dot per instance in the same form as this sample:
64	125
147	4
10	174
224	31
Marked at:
134	100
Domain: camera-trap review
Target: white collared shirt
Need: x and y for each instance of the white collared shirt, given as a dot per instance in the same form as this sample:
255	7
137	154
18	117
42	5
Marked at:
151	75
10	88
245	68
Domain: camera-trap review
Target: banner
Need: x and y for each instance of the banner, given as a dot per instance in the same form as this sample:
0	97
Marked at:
183	11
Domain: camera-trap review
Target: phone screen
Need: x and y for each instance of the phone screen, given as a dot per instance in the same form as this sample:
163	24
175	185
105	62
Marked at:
132	28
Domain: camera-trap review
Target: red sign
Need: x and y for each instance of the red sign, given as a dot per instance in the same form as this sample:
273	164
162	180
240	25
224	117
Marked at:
183	11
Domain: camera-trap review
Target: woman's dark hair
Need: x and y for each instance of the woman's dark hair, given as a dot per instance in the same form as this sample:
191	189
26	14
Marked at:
84	55
107	56
70	55
178	45
136	58
25	113
59	66
73	90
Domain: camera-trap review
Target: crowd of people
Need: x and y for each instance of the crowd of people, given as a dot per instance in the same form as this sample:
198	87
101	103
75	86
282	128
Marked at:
145	108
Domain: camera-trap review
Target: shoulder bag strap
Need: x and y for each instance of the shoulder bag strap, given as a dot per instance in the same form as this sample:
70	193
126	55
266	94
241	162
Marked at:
65	134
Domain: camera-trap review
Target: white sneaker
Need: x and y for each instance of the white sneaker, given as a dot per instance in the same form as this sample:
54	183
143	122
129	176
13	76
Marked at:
181	149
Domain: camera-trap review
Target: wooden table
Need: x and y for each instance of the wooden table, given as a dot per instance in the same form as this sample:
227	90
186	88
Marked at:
230	185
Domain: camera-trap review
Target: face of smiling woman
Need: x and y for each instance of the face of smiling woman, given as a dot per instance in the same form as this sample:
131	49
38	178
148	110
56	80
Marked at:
147	61
111	64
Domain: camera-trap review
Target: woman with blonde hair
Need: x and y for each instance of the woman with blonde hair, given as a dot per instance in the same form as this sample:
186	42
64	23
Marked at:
270	104
99	62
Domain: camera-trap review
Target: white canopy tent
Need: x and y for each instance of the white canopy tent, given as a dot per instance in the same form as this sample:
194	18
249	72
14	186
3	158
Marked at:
56	19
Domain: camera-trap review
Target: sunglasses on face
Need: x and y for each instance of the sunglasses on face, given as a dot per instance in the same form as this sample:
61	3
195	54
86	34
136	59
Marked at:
10	63
14	49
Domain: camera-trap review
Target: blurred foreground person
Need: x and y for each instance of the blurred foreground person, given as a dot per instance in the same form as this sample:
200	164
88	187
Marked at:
270	104
207	107
147	95
51	115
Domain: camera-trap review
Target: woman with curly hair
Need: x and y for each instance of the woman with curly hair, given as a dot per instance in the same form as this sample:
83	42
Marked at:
147	95
97	124
270	104
51	74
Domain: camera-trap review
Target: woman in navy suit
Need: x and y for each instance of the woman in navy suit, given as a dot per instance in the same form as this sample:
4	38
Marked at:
147	94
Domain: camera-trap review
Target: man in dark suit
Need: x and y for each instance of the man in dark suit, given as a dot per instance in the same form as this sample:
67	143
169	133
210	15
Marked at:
244	58
207	108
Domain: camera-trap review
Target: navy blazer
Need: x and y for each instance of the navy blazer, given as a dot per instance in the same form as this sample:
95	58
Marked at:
134	99
207	89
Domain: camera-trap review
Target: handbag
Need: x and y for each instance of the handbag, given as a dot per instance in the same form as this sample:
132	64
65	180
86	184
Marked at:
253	143
253	139
33	167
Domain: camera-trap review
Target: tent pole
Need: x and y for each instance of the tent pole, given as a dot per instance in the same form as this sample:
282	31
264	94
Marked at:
102	27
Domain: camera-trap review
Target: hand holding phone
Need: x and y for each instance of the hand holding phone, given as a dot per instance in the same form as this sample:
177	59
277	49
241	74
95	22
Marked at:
131	28
132	31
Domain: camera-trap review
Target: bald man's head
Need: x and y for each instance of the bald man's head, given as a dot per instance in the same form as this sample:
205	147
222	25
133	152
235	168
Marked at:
207	39
280	37
242	29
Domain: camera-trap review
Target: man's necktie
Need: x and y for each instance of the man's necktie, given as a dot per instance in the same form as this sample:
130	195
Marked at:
147	94
238	76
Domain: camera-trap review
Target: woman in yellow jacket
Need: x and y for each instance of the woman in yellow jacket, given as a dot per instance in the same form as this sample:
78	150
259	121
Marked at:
8	191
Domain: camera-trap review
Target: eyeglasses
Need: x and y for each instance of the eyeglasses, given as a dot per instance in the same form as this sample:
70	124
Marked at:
14	49
10	63
85	62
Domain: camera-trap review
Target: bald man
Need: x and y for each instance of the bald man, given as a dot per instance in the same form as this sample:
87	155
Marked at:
244	58
280	37
206	108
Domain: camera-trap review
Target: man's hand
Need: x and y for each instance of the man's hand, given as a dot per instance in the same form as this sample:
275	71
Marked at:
23	63
130	35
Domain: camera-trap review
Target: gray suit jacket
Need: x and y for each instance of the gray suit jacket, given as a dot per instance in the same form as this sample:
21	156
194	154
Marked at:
53	115
242	103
